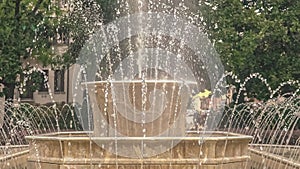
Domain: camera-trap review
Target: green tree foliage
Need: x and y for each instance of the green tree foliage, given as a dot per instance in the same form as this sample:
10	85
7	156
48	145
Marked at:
26	30
256	36
85	18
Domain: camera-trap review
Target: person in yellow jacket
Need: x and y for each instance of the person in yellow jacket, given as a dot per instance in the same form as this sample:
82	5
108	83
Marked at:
199	115
201	95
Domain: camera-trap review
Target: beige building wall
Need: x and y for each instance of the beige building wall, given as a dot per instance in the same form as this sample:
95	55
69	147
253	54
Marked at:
51	96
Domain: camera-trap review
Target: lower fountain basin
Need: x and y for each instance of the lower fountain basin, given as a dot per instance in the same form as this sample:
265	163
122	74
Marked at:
77	150
274	156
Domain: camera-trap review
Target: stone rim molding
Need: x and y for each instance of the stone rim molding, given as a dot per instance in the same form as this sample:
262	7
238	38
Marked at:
270	158
191	151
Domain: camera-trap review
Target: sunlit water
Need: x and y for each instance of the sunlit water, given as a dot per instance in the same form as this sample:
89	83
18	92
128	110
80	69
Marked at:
144	58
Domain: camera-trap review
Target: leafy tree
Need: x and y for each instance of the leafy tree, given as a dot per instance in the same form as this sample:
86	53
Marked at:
256	36
250	35
85	18
26	30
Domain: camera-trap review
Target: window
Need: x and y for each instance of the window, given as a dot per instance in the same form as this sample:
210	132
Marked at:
44	86
27	92
61	36
59	81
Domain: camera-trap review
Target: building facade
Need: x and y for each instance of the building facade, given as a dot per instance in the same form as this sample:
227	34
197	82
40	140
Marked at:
56	81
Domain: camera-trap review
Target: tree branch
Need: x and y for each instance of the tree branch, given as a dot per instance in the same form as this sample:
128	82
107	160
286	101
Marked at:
37	6
17	9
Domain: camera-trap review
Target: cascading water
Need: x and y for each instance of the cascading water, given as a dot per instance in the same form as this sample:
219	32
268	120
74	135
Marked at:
273	123
139	72
132	86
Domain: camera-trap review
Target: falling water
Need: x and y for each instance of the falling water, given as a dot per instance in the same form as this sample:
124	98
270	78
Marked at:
132	86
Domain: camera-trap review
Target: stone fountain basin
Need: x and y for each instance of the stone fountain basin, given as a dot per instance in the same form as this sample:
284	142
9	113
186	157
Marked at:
77	148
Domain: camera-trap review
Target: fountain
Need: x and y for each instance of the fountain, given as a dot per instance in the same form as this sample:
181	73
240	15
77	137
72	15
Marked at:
133	85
